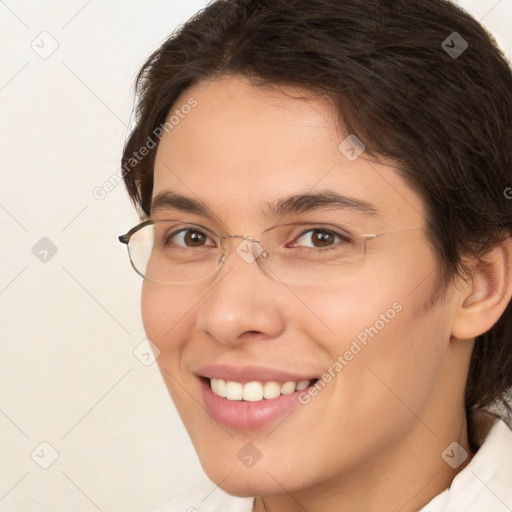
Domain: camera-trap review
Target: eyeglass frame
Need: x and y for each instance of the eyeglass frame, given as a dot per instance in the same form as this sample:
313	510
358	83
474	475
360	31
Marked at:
125	239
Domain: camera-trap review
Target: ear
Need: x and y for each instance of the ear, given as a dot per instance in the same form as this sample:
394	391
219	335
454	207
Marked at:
487	292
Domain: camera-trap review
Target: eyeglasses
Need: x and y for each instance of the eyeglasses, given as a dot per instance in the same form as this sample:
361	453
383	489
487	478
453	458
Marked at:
174	251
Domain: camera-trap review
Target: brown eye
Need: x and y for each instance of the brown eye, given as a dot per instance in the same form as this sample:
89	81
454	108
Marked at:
323	238
190	238
318	238
194	238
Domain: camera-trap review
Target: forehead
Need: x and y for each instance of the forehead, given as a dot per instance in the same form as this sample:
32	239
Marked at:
243	147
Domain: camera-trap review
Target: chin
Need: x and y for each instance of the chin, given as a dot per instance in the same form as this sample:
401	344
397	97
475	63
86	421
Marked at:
260	480
247	486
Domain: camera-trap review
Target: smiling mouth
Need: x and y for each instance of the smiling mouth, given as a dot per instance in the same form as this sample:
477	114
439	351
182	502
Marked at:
255	391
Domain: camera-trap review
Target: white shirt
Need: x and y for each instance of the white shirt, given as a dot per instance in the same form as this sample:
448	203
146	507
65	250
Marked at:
484	485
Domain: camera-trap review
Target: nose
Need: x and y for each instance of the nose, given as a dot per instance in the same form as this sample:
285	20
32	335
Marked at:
243	303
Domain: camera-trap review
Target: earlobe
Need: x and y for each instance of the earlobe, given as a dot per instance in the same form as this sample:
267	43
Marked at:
486	293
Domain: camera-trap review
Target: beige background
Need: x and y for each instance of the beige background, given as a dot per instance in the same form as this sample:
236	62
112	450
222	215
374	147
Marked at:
69	326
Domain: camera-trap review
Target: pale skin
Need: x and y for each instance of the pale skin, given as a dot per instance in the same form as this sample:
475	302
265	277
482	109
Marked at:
372	439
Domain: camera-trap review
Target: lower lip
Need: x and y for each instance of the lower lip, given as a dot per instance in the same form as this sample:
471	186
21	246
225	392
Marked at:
241	414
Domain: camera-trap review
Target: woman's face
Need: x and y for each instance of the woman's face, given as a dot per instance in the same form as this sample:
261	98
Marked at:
367	333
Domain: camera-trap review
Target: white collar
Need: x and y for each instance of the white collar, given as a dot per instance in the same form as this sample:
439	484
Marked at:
485	484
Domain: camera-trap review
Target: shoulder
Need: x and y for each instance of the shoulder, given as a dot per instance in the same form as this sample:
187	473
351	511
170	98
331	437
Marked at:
204	500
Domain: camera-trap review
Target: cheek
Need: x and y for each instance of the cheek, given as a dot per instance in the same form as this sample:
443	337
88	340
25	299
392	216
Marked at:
386	341
392	348
166	316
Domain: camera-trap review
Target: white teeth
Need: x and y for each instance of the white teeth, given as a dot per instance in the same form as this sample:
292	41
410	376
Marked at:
288	388
233	390
255	391
303	384
271	390
218	387
214	386
221	387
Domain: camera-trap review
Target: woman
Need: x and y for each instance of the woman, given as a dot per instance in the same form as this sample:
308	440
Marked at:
325	242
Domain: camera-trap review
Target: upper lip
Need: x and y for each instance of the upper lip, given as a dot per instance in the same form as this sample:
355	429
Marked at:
249	373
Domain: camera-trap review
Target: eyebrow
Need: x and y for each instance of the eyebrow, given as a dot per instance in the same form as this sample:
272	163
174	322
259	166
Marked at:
294	204
302	203
168	200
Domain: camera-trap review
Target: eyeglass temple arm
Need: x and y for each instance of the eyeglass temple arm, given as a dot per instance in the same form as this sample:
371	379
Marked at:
124	239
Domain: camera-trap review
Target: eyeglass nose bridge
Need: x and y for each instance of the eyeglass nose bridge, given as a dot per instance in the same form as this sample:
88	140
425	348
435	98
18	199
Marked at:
250	249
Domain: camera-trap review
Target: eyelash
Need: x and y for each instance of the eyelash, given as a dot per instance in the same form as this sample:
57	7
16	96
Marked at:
343	238
170	236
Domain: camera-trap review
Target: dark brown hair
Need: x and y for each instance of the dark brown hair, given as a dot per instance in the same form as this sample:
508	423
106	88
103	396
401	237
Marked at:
444	118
